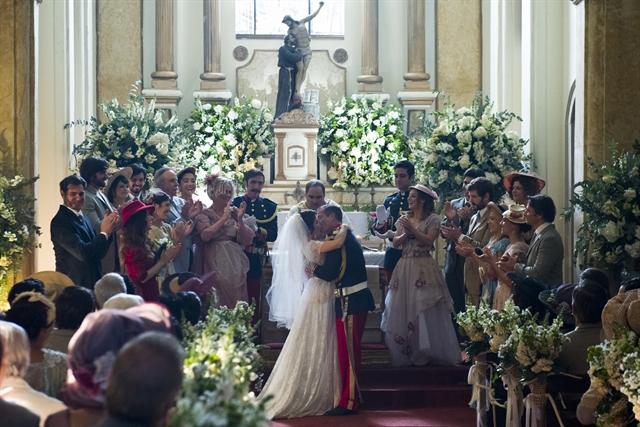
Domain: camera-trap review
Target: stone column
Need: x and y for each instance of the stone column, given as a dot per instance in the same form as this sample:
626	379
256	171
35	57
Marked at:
212	81
280	156
312	171
417	100
164	80
369	81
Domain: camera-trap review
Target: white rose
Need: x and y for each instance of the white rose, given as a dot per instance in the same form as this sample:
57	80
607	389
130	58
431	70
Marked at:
355	152
432	157
393	128
630	193
230	138
442	129
157	119
375	167
611	232
150	158
197	155
268	117
197	126
380	141
394	115
374	156
163	149
462	111
480	133
159	138
256	103
232	115
609	179
341	133
206	107
465	161
633	250
466	122
217	109
372	136
338	111
332	174
464	137
376	122
344	146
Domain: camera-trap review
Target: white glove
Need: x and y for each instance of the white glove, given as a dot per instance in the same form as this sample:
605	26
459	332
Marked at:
388	235
382	214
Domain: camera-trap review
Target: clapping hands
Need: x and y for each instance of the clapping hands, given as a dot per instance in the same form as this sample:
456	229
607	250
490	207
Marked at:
109	223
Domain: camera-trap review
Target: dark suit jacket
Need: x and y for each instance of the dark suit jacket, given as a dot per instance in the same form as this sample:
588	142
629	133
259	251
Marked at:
77	248
17	416
396	203
346	267
453	260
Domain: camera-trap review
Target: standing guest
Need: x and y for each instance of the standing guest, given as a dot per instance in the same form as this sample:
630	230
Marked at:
138	182
546	252
140	397
222	235
142	265
12	414
456	222
72	306
187	184
314	199
166	180
396	204
417	315
265	213
78	248
97	206
480	194
14	388
91	354
117	189
520	185
109	285
27	285
36	315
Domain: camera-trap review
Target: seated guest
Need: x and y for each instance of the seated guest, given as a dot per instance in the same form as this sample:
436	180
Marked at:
54	283
183	306
142	265
12	414
14	388
546	251
222	234
27	285
521	185
100	337
136	395
588	302
525	294
72	307
137	182
36	315
123	301
109	285
78	248
117	189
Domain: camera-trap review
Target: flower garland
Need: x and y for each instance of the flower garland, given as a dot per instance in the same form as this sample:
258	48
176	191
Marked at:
467	137
362	140
609	235
231	139
219	368
132	133
18	230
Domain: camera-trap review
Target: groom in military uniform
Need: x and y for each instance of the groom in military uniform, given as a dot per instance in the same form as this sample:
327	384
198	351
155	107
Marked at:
264	211
346	268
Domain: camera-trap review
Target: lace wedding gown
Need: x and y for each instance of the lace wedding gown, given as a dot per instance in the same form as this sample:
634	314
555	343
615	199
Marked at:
305	380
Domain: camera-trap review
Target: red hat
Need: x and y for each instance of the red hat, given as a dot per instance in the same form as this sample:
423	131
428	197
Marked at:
133	208
507	181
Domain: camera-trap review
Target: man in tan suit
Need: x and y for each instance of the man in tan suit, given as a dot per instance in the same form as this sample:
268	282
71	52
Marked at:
480	192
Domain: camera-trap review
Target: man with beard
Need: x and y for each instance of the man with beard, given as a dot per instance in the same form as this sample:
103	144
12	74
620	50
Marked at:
264	212
137	182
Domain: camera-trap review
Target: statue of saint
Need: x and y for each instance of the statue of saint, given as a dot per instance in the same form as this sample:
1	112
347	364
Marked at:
288	58
298	29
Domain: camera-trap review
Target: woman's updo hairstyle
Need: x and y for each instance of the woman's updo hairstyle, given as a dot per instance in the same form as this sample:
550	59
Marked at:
309	218
217	185
33	311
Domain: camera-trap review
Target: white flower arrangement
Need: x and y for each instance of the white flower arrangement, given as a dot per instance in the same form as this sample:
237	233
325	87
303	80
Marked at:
468	137
609	236
133	133
229	139
471	322
362	140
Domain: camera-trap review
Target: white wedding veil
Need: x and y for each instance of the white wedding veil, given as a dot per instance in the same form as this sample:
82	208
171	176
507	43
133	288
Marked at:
289	276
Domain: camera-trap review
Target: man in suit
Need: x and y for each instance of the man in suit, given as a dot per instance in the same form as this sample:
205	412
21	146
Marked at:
480	194
77	247
265	213
137	182
346	268
546	251
456	222
96	205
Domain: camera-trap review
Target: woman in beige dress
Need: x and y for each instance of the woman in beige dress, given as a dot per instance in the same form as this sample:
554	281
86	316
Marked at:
221	233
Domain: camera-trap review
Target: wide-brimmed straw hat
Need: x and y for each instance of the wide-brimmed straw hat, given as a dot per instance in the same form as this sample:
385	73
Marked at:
515	214
133	208
54	283
507	181
426	190
127	172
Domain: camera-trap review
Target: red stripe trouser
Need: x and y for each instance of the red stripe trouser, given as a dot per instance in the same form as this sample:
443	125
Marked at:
349	330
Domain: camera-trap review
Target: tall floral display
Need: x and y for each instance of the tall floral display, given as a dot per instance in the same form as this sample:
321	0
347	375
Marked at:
230	138
132	133
18	230
609	200
362	140
467	137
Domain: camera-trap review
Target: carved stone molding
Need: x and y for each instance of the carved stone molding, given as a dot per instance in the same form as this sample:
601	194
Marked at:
296	118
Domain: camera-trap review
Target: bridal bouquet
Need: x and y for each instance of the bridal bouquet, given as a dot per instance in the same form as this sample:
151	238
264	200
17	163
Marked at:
229	138
131	133
471	322
18	229
467	137
219	369
609	235
362	140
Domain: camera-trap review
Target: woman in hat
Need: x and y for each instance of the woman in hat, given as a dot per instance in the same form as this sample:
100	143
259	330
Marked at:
417	316
521	185
141	263
515	227
117	189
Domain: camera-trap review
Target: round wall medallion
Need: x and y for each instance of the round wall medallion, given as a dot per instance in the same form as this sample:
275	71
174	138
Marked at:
240	53
340	56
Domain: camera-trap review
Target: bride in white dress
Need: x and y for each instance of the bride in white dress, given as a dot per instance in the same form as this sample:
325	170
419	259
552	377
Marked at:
305	379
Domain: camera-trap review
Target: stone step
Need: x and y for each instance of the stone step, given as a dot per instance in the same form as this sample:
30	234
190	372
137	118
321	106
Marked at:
417	396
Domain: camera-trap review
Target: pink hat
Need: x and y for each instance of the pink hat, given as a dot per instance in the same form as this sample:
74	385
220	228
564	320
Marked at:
426	190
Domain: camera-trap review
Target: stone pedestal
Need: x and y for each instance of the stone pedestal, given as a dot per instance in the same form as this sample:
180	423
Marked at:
213	97
166	99
296	152
416	107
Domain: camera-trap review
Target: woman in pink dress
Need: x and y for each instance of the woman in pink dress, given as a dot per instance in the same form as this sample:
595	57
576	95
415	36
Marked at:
221	234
